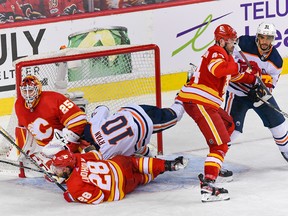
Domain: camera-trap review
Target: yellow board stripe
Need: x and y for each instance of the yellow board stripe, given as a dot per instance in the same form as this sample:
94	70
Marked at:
169	82
6	105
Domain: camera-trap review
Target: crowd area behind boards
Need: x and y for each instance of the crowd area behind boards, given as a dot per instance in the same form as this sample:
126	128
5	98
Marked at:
23	10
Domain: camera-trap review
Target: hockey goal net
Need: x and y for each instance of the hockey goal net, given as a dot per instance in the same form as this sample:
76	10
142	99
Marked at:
113	76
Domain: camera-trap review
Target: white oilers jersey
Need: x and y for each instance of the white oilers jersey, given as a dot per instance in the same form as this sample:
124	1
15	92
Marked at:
270	64
122	133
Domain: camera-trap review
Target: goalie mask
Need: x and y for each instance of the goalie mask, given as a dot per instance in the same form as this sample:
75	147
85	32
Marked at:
63	163
265	36
31	89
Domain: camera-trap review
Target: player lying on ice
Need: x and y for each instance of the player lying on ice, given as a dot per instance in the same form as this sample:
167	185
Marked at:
126	132
93	180
129	130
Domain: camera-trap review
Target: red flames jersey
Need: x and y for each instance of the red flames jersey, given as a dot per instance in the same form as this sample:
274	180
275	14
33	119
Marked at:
94	180
53	111
209	82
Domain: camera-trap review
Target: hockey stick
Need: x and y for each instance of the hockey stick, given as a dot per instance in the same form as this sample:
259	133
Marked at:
258	78
12	141
273	107
24	167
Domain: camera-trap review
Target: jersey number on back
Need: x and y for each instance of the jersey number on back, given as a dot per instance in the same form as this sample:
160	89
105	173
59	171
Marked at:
117	129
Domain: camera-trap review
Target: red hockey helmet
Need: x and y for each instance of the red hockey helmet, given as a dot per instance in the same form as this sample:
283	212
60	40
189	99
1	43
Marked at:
64	158
226	32
63	163
31	89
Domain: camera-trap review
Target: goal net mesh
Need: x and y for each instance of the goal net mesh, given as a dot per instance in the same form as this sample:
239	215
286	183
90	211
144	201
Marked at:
113	76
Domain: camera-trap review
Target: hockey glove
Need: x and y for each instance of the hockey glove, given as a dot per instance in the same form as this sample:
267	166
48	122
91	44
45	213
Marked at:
243	67
256	92
267	80
57	144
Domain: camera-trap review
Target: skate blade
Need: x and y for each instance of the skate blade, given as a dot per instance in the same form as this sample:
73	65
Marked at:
221	179
212	198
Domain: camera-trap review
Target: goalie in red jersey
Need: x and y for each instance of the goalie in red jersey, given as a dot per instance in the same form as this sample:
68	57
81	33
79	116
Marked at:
53	120
92	180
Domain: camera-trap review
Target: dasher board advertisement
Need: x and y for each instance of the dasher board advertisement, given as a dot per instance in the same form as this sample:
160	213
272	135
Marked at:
182	32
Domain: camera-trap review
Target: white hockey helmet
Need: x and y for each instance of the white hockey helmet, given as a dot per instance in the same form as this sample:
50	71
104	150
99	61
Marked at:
266	29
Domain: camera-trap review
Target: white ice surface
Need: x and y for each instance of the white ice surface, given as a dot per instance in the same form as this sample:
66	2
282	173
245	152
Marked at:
259	187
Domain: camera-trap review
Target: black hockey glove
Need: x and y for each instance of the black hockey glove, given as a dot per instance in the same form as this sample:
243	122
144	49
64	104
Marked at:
256	92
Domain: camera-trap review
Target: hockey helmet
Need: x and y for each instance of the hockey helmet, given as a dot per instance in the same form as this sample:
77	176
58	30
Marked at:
266	29
64	158
31	89
62	163
226	32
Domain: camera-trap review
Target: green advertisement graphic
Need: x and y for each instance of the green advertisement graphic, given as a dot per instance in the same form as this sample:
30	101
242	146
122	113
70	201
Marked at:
101	66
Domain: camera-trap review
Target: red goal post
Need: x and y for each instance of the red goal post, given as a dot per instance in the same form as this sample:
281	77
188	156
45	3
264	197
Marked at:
110	75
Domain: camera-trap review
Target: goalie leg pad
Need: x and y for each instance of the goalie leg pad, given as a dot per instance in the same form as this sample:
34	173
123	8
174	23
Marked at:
26	141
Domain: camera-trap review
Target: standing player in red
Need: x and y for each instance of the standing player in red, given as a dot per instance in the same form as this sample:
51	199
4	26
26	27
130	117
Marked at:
202	98
46	114
92	180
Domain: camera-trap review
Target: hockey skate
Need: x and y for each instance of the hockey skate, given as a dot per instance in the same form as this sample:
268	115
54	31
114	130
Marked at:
176	164
224	176
210	193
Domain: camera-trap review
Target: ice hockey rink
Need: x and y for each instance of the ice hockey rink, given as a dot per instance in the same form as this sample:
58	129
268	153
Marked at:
259	188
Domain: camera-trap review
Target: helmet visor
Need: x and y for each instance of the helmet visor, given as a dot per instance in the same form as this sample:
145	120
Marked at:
29	93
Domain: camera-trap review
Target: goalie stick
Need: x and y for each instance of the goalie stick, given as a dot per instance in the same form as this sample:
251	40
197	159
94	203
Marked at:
24	167
11	140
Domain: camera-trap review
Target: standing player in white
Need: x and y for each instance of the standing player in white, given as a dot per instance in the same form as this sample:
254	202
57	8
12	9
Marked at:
129	130
260	49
